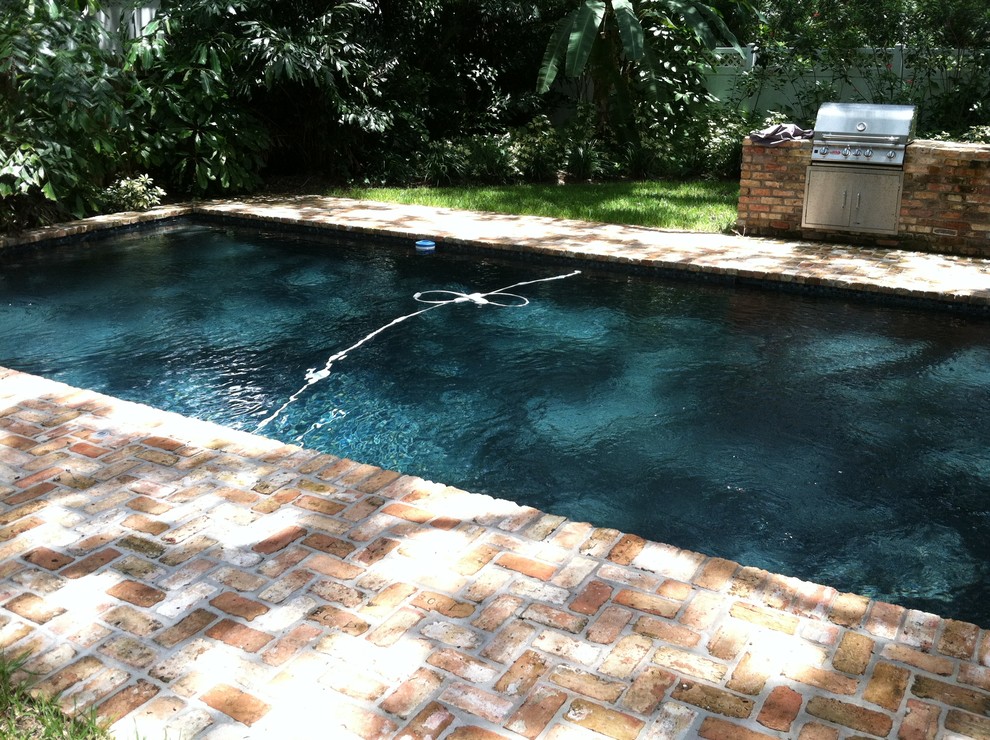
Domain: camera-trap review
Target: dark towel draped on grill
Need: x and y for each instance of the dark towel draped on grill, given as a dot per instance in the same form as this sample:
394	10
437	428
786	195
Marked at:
780	133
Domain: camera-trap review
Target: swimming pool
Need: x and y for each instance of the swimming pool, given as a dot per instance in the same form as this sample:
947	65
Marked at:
835	440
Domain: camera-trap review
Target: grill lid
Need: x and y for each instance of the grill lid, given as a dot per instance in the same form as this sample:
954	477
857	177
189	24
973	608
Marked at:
866	121
863	133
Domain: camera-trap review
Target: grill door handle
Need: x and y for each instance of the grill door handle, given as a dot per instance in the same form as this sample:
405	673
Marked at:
844	194
860	139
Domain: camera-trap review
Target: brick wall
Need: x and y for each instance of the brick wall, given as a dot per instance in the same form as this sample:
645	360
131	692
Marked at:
945	206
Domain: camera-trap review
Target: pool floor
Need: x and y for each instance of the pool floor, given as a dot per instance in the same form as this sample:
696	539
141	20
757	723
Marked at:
188	580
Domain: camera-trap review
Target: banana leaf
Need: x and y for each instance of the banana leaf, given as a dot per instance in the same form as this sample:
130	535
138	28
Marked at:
630	29
583	35
556	53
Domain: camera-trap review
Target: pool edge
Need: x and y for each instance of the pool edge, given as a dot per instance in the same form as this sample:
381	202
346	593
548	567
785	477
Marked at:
897	276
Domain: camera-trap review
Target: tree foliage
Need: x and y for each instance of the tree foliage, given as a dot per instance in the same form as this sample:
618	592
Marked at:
819	47
214	96
452	69
60	101
634	53
83	105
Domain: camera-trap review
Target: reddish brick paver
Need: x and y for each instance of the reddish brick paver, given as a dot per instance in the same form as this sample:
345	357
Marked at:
353	602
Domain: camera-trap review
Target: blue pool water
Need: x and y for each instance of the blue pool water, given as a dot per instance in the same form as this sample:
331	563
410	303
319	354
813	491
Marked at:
831	439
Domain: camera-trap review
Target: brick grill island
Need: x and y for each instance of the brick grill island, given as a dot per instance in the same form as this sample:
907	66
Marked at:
945	204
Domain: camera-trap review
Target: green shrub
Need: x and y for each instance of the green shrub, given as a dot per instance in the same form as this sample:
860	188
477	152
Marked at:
707	145
132	194
444	163
538	151
809	48
21	212
972	135
584	150
64	120
81	106
721	133
584	160
642	159
383	168
977	135
489	159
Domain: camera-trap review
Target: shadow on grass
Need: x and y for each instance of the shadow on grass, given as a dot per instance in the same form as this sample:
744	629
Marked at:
689	206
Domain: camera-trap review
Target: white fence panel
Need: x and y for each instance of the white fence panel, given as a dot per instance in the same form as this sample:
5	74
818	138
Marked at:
880	70
128	20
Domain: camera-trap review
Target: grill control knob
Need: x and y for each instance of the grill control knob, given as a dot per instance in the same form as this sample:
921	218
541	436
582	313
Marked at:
845	152
857	152
891	154
868	153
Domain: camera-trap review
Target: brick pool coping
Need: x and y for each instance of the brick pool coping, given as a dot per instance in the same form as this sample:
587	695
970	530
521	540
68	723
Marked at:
188	580
948	279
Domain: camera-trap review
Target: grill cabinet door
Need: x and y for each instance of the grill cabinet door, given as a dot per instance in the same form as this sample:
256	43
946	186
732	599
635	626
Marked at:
877	205
826	198
848	198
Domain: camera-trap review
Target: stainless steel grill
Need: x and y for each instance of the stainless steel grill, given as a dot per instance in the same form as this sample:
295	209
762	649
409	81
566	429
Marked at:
858	133
856	173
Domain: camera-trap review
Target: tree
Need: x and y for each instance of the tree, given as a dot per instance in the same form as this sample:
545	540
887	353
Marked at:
818	49
64	117
284	81
83	105
452	69
621	47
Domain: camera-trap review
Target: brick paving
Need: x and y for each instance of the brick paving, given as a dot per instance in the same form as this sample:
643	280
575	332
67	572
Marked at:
936	277
187	580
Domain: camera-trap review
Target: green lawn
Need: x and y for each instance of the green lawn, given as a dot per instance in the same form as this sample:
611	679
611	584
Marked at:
24	716
689	206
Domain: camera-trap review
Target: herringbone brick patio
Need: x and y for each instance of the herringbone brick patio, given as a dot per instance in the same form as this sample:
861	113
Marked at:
187	580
